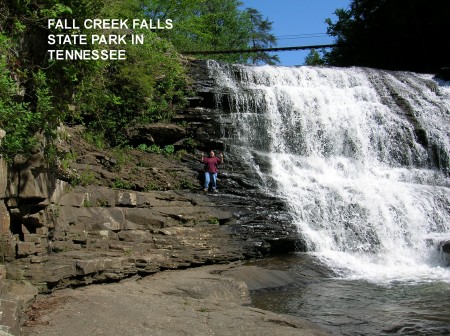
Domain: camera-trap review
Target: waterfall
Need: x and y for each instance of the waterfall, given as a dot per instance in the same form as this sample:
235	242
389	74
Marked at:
360	156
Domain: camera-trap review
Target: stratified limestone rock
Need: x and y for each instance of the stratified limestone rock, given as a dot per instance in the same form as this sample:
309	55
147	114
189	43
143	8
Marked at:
60	237
102	234
4	219
159	133
29	178
25	249
4	214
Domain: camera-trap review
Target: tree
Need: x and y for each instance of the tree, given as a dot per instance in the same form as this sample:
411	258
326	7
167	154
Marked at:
15	117
104	95
391	34
215	25
149	86
313	58
202	25
260	37
28	104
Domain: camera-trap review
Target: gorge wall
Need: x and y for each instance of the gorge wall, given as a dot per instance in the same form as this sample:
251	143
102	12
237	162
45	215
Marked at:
55	235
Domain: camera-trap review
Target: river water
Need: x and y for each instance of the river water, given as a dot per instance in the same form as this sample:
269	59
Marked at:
361	157
355	307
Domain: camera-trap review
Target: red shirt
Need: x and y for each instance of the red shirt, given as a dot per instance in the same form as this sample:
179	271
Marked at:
211	164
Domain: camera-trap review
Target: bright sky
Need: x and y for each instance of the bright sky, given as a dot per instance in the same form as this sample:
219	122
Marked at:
298	23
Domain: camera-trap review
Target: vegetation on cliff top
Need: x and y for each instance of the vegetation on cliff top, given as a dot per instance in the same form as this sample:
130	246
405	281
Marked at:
391	34
37	94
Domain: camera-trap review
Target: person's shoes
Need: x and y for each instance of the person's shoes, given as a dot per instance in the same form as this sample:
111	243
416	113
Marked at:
205	190
215	190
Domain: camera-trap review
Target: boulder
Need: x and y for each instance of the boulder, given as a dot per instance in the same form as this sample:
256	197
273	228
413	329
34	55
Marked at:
159	134
31	183
444	73
444	247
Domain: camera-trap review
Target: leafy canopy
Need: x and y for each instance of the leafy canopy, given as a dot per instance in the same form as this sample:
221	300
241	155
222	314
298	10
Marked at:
37	94
391	34
215	25
106	96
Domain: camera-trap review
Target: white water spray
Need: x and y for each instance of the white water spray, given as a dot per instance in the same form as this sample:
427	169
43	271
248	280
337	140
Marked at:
361	157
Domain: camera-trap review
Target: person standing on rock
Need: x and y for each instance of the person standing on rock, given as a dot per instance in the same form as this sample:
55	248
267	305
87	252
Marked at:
211	162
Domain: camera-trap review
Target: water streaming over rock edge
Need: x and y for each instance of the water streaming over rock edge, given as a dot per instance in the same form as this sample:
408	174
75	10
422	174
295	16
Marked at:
361	156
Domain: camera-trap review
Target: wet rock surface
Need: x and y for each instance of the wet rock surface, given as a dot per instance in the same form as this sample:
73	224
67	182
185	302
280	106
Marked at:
201	301
444	247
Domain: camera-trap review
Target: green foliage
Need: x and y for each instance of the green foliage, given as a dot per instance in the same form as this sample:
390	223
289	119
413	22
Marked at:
67	160
121	157
106	95
391	34
209	25
151	85
128	252
179	154
122	184
34	91
123	9
190	143
213	220
152	186
260	37
84	179
37	94
87	178
87	203
16	118
186	184
95	138
143	164
57	11
169	149
52	154
154	149
25	22
313	58
44	109
102	202
142	147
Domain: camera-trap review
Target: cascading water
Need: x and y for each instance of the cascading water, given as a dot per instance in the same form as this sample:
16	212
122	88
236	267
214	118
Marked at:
360	156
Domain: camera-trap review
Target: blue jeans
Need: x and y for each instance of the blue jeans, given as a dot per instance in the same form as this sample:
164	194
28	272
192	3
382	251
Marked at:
210	177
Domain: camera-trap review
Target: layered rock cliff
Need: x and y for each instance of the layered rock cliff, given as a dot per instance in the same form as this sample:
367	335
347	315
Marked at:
56	235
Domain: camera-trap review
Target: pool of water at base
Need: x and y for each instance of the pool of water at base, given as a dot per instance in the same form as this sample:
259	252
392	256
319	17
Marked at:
348	307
